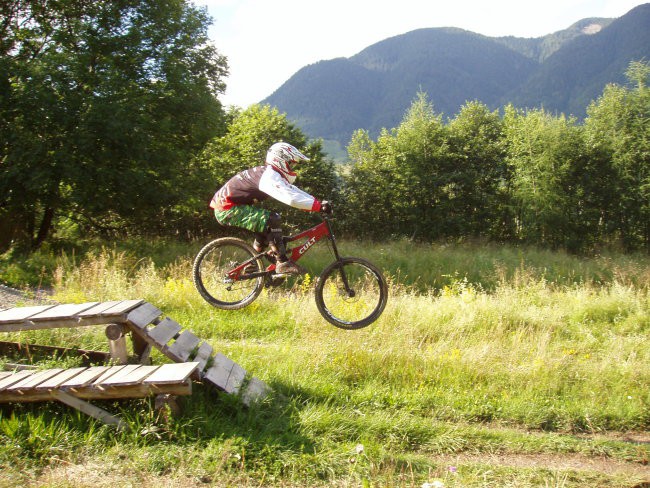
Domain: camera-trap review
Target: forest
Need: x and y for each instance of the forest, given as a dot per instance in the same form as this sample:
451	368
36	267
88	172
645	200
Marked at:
111	126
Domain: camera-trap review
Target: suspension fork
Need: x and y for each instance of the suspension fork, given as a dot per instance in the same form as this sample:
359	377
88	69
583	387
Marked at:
330	235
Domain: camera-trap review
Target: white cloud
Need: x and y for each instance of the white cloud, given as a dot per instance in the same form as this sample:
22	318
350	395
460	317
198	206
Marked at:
267	42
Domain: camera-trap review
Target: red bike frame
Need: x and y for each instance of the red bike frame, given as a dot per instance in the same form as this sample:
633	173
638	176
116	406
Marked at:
312	236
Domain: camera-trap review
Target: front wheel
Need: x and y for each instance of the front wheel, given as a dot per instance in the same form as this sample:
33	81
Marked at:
351	293
222	273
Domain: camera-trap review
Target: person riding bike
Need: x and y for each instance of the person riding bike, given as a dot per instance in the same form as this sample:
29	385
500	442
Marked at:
234	203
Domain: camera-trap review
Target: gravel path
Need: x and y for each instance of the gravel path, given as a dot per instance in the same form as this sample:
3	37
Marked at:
10	297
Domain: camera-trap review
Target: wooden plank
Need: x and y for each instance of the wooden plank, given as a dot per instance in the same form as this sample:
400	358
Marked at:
88	376
236	378
14	378
164	331
89	409
138	390
121	307
203	354
219	372
20	314
171	373
91	392
68	310
61	378
184	345
35	379
107	374
55	323
136	376
117	377
255	391
143	315
4	374
98	309
226	374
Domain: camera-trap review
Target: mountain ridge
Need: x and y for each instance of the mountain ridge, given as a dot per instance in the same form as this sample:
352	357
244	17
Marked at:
562	72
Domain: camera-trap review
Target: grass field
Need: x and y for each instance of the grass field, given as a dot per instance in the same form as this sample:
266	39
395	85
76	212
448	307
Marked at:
491	366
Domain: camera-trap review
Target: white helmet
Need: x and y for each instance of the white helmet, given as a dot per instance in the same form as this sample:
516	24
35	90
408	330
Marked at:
281	156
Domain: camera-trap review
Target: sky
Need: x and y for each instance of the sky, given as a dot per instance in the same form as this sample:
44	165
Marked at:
267	41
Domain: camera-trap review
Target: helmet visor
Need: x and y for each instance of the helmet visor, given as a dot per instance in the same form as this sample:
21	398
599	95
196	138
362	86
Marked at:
298	156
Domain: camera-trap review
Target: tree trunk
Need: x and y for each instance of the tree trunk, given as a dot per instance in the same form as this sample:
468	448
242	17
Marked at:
44	229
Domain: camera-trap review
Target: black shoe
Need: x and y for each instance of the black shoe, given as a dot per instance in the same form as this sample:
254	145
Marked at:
289	268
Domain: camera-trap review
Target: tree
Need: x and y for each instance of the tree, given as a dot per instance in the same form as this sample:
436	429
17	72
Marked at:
479	176
618	129
103	103
402	182
370	187
556	185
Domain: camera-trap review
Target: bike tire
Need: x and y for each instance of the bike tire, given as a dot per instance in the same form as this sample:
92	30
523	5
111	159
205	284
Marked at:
209	270
351	310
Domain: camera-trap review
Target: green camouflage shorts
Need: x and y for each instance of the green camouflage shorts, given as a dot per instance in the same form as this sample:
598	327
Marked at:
244	216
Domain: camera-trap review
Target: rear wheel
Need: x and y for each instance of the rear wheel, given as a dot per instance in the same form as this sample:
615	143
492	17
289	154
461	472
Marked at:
351	293
214	277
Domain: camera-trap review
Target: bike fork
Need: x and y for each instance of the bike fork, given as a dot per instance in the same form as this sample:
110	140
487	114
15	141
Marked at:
350	292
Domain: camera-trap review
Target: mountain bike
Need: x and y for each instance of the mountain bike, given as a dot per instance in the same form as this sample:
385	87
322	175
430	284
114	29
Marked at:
351	293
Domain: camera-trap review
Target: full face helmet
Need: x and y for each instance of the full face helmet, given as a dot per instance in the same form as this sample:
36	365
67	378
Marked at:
282	156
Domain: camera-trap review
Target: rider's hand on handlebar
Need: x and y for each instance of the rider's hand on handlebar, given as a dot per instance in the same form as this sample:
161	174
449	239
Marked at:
326	207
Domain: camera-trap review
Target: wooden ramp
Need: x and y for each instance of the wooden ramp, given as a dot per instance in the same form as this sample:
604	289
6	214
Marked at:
76	385
148	329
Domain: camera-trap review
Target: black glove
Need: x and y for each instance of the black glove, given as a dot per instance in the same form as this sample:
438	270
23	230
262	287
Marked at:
326	207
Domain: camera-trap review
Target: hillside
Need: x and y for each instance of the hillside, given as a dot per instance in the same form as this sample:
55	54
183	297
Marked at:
573	76
562	71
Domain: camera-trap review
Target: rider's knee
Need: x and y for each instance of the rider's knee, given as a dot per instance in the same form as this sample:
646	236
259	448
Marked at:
274	222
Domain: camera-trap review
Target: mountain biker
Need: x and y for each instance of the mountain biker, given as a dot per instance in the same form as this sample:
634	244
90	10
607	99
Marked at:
234	203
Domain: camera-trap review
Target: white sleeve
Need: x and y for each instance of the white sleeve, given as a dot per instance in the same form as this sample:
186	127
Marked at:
277	187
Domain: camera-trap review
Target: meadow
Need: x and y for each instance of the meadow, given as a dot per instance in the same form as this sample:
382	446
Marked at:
491	366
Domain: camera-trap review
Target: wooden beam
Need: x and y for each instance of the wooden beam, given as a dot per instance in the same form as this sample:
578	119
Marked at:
88	409
17	348
58	323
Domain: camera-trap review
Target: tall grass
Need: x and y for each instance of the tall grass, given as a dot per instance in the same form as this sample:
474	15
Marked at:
481	350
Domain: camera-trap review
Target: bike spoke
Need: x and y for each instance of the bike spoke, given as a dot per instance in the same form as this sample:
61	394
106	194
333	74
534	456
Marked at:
352	294
218	279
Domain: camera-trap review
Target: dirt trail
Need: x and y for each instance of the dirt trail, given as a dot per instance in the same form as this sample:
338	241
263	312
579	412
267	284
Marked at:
552	462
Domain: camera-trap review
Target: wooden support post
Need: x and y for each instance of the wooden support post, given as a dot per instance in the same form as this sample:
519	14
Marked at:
167	407
88	409
117	343
141	349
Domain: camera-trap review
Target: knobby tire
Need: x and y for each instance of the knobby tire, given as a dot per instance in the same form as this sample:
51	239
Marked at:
358	308
210	268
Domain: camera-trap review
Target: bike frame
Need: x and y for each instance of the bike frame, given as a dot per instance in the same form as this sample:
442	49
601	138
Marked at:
312	236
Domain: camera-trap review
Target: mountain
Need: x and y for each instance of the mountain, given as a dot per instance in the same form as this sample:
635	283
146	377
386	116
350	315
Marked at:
562	72
569	79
